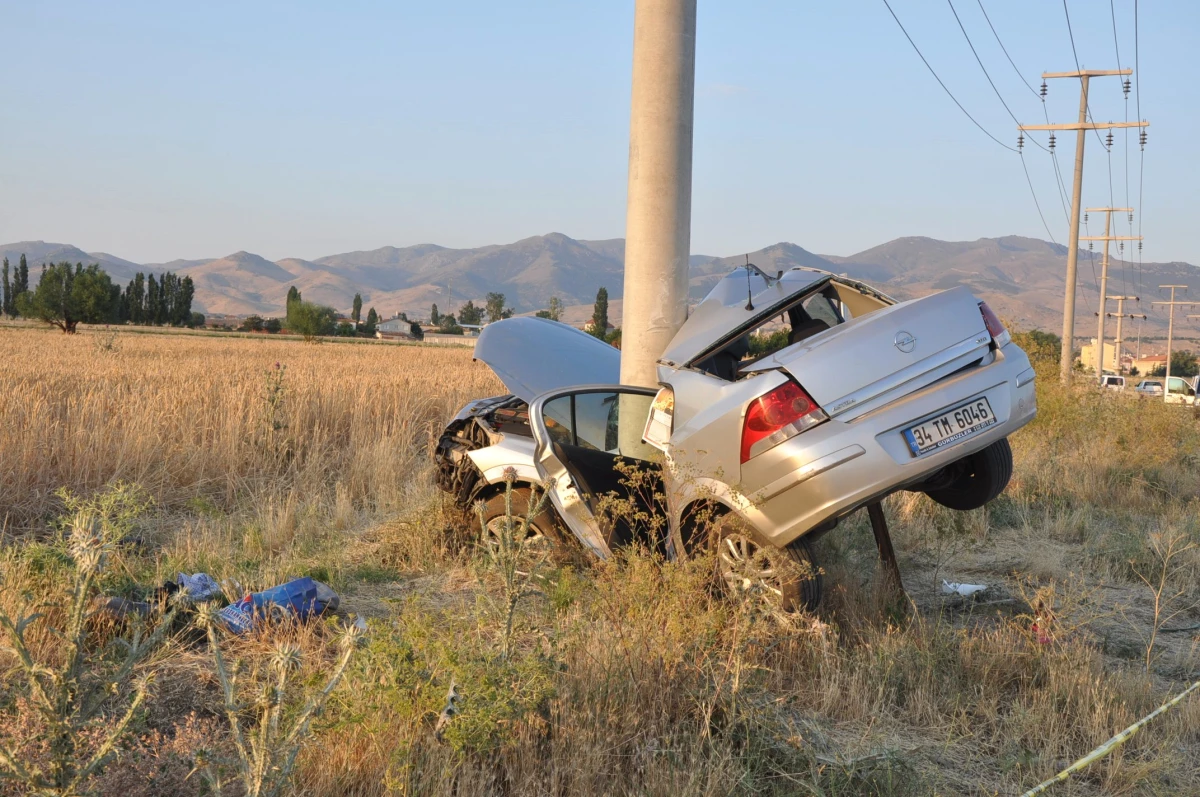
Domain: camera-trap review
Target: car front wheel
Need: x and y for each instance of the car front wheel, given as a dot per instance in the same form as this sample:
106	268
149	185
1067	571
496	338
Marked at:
538	538
982	477
783	578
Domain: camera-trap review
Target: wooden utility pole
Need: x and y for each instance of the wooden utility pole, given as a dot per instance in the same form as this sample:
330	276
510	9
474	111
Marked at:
1104	280
1081	128
1171	330
1121	316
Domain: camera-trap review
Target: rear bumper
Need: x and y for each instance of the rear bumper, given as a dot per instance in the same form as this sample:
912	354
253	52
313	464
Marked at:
839	466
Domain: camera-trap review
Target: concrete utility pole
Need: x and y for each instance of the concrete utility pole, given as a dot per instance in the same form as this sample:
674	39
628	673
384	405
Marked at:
1121	316
1104	280
1081	128
1171	330
658	218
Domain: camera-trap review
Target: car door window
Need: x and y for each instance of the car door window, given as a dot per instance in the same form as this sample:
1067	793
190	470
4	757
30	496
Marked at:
1180	387
611	421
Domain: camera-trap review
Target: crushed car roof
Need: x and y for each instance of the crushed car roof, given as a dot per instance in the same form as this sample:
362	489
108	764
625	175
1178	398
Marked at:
535	355
723	311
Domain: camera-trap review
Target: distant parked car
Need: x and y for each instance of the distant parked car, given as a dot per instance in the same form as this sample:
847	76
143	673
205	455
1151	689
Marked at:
863	397
1112	382
1150	387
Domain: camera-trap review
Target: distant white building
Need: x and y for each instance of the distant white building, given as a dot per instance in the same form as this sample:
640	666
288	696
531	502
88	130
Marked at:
393	328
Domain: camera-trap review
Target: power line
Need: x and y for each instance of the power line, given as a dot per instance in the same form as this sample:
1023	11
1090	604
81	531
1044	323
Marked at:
1137	78
1078	68
1037	204
939	80
979	61
1005	51
1088	109
1125	86
1112	9
1092	263
1061	186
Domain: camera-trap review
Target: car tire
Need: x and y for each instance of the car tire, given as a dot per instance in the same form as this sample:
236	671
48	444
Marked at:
985	475
542	532
786	579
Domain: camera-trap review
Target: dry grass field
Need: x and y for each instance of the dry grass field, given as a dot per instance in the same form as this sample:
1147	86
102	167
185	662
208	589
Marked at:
257	460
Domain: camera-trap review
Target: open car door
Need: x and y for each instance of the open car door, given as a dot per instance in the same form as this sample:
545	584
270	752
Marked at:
582	434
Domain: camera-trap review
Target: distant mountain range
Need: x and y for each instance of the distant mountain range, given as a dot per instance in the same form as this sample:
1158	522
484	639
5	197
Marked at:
1022	278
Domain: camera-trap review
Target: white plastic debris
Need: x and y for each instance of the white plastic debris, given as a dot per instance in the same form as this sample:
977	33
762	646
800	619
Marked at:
965	590
199	587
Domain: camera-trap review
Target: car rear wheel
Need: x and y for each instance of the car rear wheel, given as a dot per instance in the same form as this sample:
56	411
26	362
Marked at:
540	536
984	476
787	579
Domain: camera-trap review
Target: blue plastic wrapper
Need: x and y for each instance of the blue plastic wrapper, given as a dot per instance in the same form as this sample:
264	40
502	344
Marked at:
296	599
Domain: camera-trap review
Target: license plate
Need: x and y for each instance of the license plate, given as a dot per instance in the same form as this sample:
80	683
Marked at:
950	427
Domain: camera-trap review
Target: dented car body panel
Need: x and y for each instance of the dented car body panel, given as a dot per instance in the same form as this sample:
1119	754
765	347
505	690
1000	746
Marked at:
895	396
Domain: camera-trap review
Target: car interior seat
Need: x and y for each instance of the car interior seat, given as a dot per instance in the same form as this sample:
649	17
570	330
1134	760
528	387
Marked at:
724	364
806	329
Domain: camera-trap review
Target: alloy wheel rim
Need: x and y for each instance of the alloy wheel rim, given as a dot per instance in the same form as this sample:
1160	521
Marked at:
534	539
747	567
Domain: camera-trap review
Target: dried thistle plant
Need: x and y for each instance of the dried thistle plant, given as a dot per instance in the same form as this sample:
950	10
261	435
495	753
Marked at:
266	752
69	696
507	540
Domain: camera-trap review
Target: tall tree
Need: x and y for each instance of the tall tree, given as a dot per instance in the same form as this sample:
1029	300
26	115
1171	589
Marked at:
183	302
372	322
470	314
311	320
434	316
293	299
495	306
554	309
151	301
356	311
65	296
20	284
600	314
6	286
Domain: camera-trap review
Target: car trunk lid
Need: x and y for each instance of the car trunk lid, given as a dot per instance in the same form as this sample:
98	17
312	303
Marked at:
888	353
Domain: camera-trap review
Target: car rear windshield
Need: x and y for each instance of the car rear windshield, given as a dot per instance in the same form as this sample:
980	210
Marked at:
830	303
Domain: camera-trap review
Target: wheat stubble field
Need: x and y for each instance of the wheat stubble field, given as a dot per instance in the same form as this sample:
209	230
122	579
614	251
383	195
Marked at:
261	460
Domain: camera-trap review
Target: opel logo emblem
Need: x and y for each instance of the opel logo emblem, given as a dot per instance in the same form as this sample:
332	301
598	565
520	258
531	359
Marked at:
905	342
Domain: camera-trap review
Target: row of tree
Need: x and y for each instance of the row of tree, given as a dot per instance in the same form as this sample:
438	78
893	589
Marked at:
495	310
471	315
67	295
151	302
10	289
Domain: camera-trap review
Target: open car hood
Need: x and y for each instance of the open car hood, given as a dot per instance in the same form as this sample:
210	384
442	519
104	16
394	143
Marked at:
535	355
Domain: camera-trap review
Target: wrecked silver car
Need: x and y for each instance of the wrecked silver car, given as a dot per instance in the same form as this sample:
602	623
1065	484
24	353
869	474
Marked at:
786	403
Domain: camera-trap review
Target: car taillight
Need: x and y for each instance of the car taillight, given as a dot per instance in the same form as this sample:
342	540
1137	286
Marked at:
661	421
994	327
778	416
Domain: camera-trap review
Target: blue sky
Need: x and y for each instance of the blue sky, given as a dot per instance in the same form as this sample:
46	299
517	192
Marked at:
162	130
